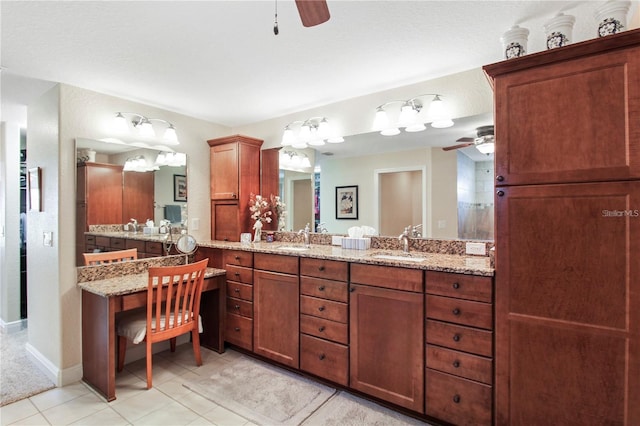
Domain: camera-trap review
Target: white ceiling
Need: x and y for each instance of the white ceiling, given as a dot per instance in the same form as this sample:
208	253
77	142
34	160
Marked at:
220	61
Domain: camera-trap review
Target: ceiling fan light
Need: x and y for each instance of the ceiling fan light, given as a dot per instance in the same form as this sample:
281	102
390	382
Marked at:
487	147
392	131
416	127
381	120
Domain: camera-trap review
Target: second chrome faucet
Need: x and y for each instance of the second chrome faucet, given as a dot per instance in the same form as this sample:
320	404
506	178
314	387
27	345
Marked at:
305	232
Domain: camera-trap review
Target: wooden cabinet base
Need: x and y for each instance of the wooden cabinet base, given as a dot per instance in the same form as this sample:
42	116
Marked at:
324	359
239	331
457	400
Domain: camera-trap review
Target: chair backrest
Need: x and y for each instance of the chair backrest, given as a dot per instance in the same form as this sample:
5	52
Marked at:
173	299
110	257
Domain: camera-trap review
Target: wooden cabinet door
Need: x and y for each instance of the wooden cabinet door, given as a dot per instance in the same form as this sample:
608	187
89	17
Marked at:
568	304
104	194
387	345
224	171
571	121
137	196
225	220
276	317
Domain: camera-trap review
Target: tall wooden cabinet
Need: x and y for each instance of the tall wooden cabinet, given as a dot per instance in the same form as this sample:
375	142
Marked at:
235	174
568	234
138	196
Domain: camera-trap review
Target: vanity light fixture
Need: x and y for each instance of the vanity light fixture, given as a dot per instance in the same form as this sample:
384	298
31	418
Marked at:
409	115
294	160
145	127
172	159
139	164
314	131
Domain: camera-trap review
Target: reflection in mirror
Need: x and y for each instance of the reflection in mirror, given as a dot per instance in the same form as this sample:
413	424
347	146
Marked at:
453	201
296	191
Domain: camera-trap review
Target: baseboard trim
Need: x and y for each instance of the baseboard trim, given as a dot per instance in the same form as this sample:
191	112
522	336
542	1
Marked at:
57	376
13	326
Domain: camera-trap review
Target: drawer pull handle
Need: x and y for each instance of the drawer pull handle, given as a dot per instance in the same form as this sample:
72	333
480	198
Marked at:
237	290
321	288
237	274
456	337
499	178
321	308
321	268
321	357
226	239
456	286
237	328
456	364
456	399
500	193
237	307
321	329
456	311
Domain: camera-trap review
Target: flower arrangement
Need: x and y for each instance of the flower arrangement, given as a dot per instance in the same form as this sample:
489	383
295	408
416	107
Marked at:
259	208
280	210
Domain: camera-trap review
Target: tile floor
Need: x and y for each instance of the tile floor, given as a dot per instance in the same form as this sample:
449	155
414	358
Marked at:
167	403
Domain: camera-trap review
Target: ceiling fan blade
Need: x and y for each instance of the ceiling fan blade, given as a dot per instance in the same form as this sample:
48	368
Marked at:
461	145
313	12
466	140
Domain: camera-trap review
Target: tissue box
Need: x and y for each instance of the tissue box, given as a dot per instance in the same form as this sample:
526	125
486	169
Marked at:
150	230
356	243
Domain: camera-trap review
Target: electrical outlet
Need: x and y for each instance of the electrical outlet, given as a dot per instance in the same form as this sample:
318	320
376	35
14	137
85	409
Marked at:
476	248
47	239
442	224
195	224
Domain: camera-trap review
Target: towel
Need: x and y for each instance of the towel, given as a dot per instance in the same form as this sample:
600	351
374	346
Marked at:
172	213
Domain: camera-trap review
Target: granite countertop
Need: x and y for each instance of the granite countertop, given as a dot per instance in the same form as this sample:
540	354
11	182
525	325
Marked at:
473	265
132	235
127	284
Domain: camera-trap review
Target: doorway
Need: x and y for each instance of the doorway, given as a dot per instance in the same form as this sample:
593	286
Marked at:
401	199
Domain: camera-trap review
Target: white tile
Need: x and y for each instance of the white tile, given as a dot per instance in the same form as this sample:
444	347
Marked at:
106	417
16	411
171	414
201	421
162	370
74	409
140	405
59	396
196	403
35	420
221	416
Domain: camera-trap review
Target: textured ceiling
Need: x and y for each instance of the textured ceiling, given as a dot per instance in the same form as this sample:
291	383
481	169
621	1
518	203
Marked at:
220	61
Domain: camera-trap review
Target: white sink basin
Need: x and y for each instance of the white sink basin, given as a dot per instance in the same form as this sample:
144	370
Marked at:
402	258
293	248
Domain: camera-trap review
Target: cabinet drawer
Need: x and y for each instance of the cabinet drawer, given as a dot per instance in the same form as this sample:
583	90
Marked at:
461	364
321	268
240	307
117	243
240	291
326	289
90	239
471	287
239	331
475	314
103	241
387	277
276	263
153	247
324	359
322	308
456	400
238	257
239	274
324	328
459	337
136	244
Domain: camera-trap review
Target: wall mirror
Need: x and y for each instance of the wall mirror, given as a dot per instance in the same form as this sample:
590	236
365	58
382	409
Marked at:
403	180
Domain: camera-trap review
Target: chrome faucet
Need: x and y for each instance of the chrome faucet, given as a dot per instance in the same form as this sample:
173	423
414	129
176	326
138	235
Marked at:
305	232
322	228
133	223
416	231
404	237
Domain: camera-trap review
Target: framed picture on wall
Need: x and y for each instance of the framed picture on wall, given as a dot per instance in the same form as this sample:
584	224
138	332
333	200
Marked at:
347	202
34	188
179	188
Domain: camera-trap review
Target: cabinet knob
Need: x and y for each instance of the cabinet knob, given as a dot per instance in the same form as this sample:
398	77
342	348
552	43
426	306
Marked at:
321	268
456	337
237	290
352	289
456	363
321	288
499	178
321	329
234	195
225	239
237	274
456	286
237	328
500	193
456	399
236	307
237	257
321	357
456	311
321	308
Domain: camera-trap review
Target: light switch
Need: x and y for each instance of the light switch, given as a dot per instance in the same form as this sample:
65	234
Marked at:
442	224
47	239
195	224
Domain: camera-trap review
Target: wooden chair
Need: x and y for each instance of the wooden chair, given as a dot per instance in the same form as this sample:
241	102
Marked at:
109	257
173	308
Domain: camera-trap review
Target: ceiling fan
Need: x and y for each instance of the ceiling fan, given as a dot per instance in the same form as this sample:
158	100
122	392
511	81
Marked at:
313	12
485	141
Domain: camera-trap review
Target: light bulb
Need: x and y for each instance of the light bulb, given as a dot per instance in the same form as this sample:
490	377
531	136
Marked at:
381	120
324	129
416	127
438	114
287	137
170	135
486	148
305	132
392	131
146	129
408	115
120	124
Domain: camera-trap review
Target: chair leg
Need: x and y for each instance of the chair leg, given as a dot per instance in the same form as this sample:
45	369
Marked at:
172	344
195	337
149	368
122	350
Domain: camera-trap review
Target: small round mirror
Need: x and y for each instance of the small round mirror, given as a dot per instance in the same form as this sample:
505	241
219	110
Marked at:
186	244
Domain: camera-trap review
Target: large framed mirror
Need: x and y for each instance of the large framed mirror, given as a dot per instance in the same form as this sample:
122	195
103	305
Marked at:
407	179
